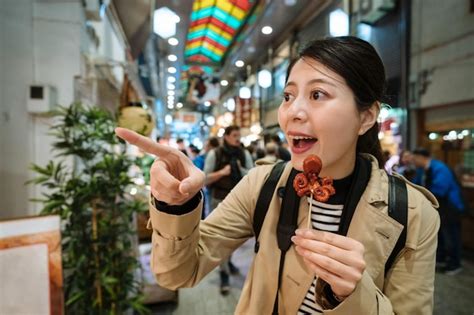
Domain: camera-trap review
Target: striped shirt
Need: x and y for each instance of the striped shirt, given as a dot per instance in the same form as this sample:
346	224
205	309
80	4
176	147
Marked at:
324	217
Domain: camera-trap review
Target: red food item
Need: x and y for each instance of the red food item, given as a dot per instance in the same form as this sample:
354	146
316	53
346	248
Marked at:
308	182
300	184
312	165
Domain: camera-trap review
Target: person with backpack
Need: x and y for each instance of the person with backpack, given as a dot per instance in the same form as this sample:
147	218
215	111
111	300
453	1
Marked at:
371	247
224	168
438	178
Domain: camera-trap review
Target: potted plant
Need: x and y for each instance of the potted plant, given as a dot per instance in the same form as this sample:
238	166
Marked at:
98	249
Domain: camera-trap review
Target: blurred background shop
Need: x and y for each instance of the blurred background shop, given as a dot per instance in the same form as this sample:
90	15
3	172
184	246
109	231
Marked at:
180	72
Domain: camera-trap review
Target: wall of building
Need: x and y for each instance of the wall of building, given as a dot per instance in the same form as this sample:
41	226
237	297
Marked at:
40	45
443	49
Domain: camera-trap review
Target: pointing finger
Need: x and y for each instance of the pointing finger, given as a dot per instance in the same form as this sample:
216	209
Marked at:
144	143
192	183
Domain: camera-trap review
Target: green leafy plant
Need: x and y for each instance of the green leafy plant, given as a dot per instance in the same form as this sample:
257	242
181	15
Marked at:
99	258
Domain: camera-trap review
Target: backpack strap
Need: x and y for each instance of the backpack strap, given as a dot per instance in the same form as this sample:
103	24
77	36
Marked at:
264	199
398	210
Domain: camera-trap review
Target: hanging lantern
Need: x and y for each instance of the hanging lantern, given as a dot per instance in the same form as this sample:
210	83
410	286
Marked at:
136	118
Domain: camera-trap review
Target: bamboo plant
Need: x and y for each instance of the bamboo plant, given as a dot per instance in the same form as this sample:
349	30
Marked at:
99	257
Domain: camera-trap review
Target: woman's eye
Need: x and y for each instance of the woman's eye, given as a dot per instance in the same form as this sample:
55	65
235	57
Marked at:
315	95
286	97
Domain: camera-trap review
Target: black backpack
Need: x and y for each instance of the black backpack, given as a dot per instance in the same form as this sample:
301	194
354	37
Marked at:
397	199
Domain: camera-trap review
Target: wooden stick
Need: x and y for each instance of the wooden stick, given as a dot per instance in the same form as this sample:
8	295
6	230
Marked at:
310	226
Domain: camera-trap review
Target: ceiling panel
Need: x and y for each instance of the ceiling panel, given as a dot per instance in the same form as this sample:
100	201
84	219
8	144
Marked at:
213	26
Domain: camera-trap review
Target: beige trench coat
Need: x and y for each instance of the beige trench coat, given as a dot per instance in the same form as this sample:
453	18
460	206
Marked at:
185	249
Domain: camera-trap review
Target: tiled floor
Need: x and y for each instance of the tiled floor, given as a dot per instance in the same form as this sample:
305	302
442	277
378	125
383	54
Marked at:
453	294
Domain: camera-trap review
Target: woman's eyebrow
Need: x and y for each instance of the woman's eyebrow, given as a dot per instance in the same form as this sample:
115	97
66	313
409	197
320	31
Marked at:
291	83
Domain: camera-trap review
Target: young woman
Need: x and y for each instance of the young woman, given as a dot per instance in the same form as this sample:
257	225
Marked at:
329	108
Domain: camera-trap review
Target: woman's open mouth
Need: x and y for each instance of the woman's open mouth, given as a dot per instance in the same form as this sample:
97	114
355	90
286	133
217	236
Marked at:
300	144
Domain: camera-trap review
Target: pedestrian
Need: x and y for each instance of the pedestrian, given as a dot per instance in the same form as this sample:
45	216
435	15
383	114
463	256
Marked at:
224	168
438	178
330	105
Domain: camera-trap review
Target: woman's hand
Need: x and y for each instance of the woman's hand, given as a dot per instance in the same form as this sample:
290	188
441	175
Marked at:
173	177
336	259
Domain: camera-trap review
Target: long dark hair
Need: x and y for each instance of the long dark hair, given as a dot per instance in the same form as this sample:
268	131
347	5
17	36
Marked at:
359	64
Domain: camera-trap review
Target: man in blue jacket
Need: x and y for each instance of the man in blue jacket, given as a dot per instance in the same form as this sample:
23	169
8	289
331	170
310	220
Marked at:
441	181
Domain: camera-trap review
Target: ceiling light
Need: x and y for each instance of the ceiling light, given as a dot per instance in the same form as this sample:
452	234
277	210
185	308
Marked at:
173	41
170	98
231	104
170	92
224	82
168	119
267	30
170	86
207	103
172	70
164	22
172	79
176	18
244	92
172	58
239	63
338	23
179	105
264	78
170	106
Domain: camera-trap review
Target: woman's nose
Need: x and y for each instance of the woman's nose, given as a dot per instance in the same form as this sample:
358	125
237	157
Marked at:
298	110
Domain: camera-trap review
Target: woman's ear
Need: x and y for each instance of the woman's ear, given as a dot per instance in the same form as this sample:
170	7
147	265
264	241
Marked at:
369	117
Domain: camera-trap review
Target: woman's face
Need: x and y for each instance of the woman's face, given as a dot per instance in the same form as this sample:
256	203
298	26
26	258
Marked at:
319	116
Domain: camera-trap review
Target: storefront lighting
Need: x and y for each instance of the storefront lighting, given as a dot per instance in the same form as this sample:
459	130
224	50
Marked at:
224	82
168	119
433	136
133	191
452	134
171	92
172	58
172	79
220	133
172	70
384	112
173	41
465	132
460	136
239	64
207	103
245	93
210	121
170	86
267	30
164	22
179	105
364	31
264	78
231	104
381	135
170	98
338	23
170	106
256	129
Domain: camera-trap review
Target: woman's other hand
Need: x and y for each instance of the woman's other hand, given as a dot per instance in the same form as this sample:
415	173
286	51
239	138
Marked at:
174	178
336	259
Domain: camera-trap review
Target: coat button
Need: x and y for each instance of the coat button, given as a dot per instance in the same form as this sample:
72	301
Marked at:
281	192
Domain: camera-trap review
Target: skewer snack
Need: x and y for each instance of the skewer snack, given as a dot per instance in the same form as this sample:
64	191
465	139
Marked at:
310	184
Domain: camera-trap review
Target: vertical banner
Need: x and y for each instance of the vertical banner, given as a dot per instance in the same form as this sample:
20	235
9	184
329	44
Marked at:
243	112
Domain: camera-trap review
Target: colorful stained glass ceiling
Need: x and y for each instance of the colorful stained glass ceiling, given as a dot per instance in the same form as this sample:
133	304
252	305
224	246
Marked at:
214	24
